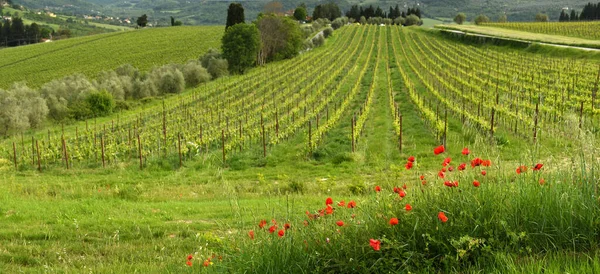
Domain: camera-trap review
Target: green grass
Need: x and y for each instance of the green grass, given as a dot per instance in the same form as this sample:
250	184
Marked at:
122	220
523	35
41	63
430	23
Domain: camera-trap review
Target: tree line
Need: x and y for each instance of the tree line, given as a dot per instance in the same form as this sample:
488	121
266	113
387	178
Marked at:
14	32
356	12
590	12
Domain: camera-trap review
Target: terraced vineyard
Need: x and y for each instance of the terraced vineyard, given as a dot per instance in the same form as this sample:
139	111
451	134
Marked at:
41	63
365	120
587	30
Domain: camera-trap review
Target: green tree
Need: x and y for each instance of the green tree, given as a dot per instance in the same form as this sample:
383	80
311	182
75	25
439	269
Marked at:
240	46
502	18
100	103
540	17
142	21
460	18
235	15
281	38
412	20
480	19
300	14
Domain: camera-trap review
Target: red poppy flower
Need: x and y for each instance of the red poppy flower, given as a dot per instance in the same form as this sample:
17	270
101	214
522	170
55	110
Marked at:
377	188
483	172
476	162
190	257
281	233
455	183
411	159
444	164
449	184
447	160
422	177
450	168
328	210
408	207
342	203
393	221
396	189
273	221
441	174
409	165
206	263
287	226
375	244
423	182
486	163
402	194
518	170
404	186
305	223
339	223
538	167
272	228
439	150
189	263
250	234
443	169
328	201
263	223
351	204
462	166
476	184
542	181
466	151
442	217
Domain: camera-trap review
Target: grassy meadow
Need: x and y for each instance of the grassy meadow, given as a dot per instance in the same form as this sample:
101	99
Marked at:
236	174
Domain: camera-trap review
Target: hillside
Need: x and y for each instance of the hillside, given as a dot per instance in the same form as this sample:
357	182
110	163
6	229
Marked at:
213	12
41	63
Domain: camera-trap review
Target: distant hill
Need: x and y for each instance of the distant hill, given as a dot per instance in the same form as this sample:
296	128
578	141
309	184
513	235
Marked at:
193	12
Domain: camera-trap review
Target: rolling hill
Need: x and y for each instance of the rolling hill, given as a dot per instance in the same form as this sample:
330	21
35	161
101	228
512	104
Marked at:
41	63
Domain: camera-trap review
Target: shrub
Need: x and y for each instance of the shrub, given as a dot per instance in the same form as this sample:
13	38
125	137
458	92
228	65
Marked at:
100	103
327	32
318	40
194	74
168	79
218	68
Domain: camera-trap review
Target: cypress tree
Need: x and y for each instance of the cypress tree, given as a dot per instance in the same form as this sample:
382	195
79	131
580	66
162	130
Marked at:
235	15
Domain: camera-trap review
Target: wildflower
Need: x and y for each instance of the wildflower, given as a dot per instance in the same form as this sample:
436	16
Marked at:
190	257
402	194
393	221
189	263
375	244
538	167
422	177
442	217
483	172
341	203
305	223
439	150
476	183
542	181
250	234
447	160
486	163
466	151
272	229
339	223
518	170
462	166
450	168
351	204
441	174
206	262
411	159
263	223
281	233
455	183
476	162
328	210
377	188
443	169
287	226
328	201
404	186
423	182
408	207
409	165
449	184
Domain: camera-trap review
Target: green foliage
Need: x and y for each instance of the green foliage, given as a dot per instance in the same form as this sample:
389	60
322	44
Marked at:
218	68
194	74
339	22
300	13
100	103
142	21
460	18
502	18
413	20
327	32
318	40
540	17
281	38
328	11
235	15
240	46
481	19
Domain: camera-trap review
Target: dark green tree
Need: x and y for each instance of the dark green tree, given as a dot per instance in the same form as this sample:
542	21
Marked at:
100	103
574	16
142	21
564	16
300	14
235	15
240	46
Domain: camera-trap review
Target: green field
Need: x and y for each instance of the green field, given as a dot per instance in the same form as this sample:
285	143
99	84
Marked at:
40	63
585	30
140	190
510	33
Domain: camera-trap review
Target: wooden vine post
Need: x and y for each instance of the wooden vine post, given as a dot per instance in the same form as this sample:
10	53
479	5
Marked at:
66	153
102	147
140	151
179	148
15	154
39	161
223	144
352	137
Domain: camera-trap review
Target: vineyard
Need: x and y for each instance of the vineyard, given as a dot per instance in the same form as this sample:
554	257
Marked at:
41	63
376	109
587	30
